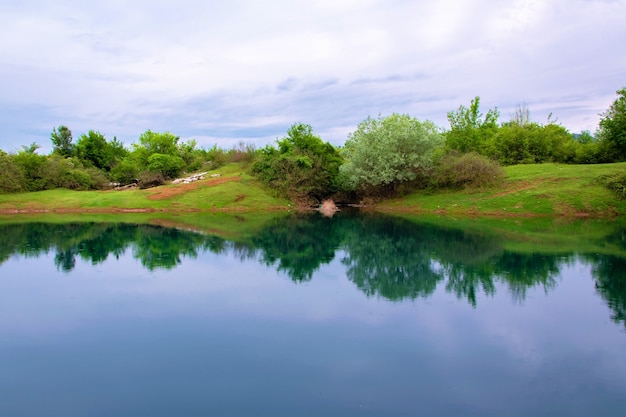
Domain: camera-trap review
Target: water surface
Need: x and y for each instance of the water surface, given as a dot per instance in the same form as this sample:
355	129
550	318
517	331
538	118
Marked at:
362	315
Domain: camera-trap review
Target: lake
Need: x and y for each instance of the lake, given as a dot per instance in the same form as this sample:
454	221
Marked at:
304	315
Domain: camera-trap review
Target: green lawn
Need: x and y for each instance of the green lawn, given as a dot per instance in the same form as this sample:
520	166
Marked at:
538	190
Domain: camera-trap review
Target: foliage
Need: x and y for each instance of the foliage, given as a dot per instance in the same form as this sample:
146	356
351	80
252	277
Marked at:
168	166
12	177
385	152
530	143
469	132
93	149
215	157
191	157
613	127
125	171
62	141
302	166
33	169
65	173
148	179
615	182
153	142
242	152
469	170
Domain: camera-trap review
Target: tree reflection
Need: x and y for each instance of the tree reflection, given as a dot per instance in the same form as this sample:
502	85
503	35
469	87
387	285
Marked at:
384	256
153	246
389	258
609	273
298	244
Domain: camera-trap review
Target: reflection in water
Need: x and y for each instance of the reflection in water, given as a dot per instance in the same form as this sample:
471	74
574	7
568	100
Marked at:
298	244
384	256
609	273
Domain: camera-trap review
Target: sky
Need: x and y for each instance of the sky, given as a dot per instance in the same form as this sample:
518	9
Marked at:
223	72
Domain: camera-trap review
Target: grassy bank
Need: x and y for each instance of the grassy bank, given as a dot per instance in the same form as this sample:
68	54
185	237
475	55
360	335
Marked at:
230	189
528	190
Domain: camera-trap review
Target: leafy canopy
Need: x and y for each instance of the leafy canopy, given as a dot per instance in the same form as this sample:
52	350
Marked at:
613	126
390	150
62	141
469	131
302	166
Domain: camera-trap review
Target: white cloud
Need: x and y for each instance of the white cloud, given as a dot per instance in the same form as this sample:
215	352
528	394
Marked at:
202	66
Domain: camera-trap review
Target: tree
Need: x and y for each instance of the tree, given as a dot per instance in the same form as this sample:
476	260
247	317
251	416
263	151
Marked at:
12	178
154	142
302	167
613	127
469	132
169	166
62	141
93	149
387	151
32	167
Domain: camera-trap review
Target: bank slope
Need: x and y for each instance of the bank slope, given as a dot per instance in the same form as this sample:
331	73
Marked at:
528	190
230	189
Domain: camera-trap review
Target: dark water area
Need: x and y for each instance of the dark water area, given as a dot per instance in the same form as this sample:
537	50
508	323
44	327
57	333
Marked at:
355	315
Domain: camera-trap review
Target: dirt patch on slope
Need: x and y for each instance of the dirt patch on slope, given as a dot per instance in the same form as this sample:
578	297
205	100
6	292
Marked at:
163	193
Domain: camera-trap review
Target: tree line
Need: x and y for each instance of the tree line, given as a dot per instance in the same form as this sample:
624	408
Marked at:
383	156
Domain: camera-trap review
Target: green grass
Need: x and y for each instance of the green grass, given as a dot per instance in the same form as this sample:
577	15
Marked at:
528	190
239	191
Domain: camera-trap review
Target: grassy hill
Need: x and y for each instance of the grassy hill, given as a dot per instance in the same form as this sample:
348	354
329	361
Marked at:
228	189
528	190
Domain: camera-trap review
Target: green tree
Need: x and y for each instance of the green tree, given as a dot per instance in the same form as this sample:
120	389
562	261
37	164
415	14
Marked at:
94	150
33	168
385	152
469	131
613	127
12	178
62	141
154	142
169	166
302	167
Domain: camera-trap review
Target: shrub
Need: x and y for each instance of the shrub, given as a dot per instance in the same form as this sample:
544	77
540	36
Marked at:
243	152
11	178
385	152
168	166
148	179
469	170
302	167
615	182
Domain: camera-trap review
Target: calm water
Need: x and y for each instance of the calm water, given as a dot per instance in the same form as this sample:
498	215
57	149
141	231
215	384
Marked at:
309	316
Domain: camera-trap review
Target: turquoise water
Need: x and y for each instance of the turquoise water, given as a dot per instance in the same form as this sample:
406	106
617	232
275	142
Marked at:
309	316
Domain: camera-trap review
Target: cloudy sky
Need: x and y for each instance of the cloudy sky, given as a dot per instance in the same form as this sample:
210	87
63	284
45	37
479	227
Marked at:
225	71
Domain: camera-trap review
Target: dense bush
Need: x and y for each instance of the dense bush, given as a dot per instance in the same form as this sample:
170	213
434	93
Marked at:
613	127
386	152
11	176
302	166
615	182
469	170
169	166
242	152
149	179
